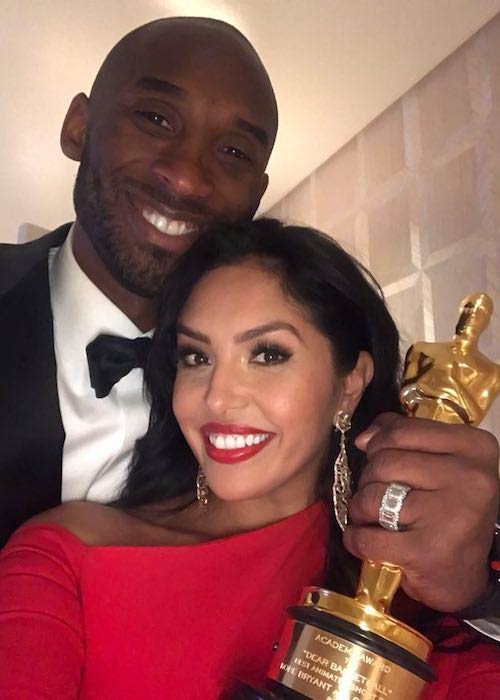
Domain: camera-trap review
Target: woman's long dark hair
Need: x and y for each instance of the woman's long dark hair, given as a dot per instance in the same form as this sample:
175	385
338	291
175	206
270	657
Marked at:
341	298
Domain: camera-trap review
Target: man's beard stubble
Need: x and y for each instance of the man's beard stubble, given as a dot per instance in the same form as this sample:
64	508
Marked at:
138	267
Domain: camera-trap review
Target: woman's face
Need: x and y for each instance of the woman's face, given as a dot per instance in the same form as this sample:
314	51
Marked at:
256	392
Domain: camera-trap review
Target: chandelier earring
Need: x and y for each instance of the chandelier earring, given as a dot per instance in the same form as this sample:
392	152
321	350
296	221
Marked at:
341	490
201	489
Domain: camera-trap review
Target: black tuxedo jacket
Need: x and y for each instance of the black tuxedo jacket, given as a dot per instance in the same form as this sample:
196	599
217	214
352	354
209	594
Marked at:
31	430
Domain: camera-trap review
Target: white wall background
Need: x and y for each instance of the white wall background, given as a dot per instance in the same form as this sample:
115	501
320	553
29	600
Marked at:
416	196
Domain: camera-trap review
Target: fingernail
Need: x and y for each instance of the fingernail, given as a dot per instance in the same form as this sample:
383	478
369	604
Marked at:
364	438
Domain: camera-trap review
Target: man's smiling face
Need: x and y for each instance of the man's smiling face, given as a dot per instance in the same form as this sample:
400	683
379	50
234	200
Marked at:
179	129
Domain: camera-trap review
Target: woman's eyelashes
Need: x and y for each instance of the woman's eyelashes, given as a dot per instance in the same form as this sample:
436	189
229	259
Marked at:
269	354
188	356
264	354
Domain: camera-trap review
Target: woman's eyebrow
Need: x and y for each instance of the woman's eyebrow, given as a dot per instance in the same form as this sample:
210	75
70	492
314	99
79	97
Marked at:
266	328
246	335
191	333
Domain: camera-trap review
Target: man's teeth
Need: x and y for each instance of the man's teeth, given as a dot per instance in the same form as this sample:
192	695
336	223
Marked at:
231	442
165	225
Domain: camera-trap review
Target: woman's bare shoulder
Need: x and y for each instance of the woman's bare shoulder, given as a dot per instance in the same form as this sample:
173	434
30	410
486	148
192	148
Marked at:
94	524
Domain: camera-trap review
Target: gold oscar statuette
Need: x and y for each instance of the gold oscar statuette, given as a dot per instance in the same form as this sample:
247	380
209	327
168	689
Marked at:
338	648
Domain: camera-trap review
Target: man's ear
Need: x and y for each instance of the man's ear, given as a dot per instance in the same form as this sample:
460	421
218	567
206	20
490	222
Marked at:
356	382
74	127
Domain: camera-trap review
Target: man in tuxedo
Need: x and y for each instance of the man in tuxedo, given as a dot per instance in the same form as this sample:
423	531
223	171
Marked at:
176	133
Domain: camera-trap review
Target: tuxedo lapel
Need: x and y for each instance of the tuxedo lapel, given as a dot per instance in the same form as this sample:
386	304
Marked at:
16	260
31	430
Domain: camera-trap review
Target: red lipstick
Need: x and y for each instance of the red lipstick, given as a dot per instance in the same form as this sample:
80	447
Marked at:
238	454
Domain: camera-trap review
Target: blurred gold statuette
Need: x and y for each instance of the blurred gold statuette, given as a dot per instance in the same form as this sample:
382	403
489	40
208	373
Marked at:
452	381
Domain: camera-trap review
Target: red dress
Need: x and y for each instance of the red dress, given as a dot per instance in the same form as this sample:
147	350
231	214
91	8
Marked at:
180	623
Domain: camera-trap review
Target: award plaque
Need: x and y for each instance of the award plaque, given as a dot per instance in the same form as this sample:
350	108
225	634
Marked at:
338	648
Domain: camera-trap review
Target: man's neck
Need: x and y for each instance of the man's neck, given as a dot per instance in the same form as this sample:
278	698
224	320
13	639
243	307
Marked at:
140	310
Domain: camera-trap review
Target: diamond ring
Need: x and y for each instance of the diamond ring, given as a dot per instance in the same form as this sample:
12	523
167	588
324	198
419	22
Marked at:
390	507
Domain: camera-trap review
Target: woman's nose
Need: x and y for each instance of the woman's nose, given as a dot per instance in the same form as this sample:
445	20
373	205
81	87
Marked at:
225	390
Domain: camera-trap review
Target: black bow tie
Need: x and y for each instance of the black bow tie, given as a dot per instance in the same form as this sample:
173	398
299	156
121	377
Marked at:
110	358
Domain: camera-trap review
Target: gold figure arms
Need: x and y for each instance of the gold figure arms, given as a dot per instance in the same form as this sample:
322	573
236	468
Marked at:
452	381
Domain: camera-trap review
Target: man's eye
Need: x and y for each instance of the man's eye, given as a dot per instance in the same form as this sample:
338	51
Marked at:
236	153
158	120
270	355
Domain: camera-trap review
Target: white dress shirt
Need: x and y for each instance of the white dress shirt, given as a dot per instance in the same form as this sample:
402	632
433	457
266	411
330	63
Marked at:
100	433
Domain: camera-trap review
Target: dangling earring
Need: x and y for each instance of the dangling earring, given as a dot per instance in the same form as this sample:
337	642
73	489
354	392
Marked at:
341	490
201	489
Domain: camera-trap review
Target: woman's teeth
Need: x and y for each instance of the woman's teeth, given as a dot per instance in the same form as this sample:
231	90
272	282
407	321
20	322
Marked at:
170	226
232	442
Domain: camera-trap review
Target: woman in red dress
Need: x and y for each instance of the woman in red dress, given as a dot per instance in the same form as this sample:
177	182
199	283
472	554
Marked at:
179	589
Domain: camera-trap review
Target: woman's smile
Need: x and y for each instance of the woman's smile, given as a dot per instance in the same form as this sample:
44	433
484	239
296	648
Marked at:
230	443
